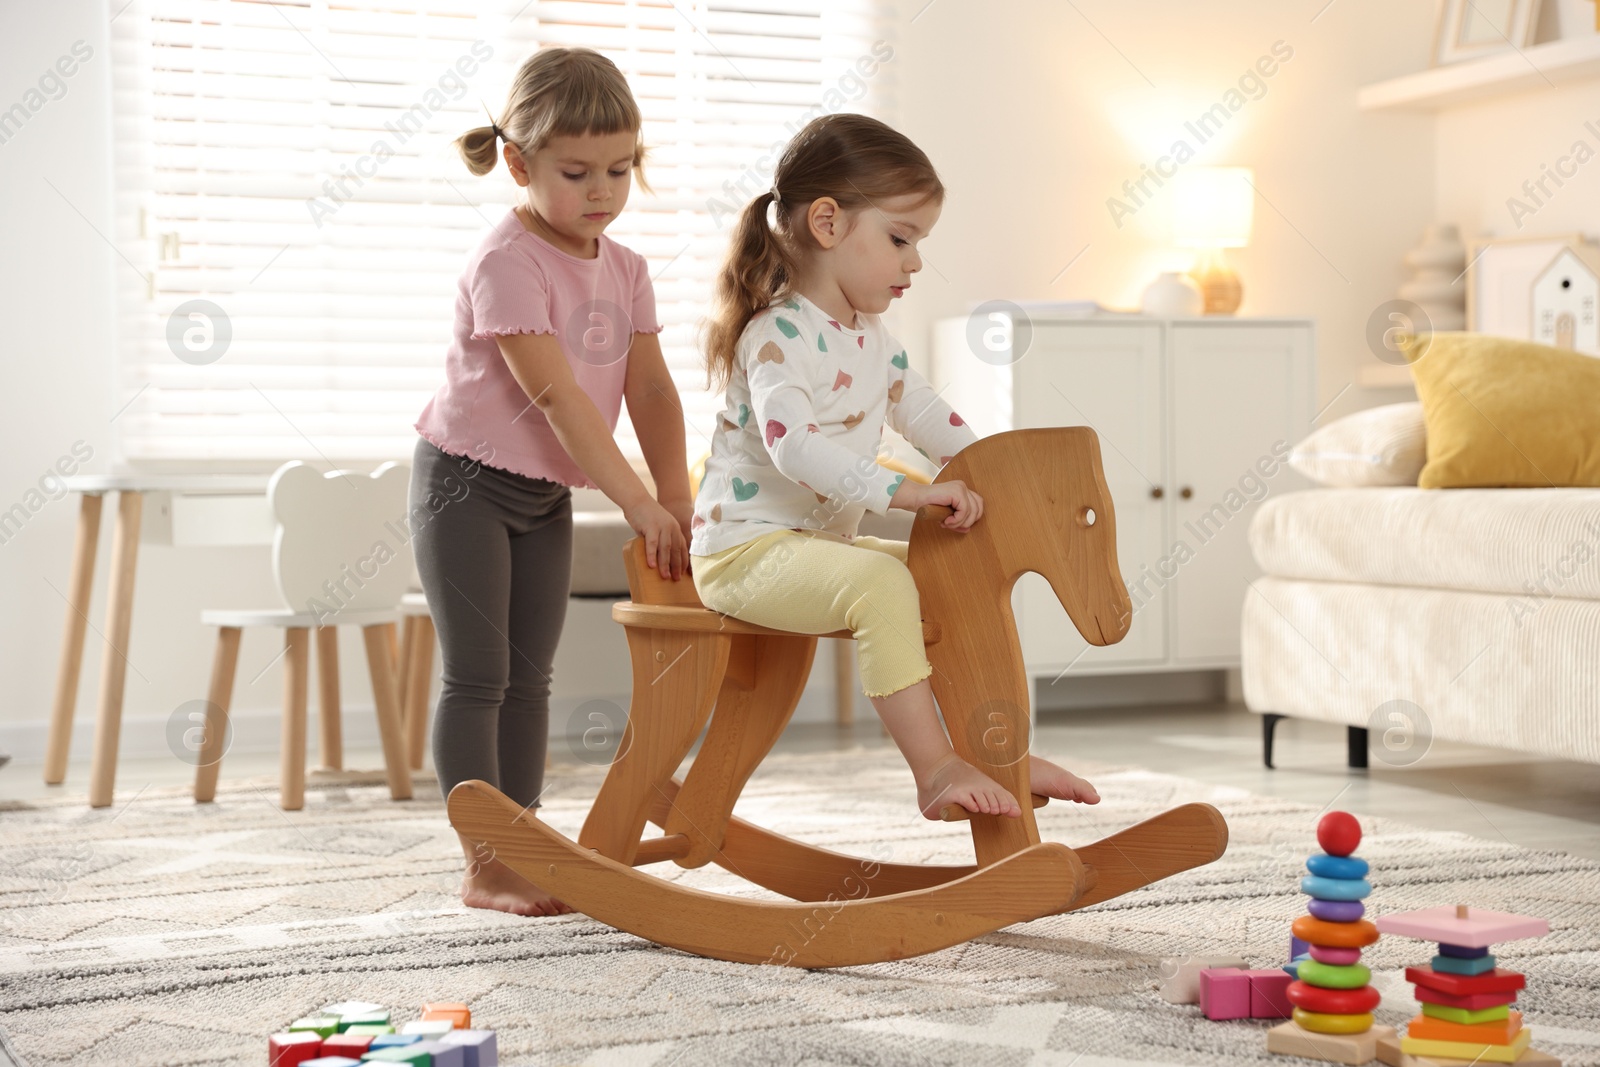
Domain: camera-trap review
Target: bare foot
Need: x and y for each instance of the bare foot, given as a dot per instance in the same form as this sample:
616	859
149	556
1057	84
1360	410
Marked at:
491	884
955	781
1049	780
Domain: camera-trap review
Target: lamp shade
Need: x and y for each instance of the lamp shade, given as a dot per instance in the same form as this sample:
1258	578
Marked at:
1212	207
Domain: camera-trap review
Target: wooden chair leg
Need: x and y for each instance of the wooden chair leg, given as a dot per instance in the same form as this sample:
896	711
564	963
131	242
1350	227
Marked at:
292	762
844	681
68	671
328	710
220	697
676	675
402	666
380	640
114	665
419	686
764	681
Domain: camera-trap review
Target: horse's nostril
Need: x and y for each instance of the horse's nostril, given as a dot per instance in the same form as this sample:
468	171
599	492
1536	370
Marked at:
1087	516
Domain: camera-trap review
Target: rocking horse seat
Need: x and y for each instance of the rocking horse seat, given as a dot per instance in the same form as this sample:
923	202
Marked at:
1046	510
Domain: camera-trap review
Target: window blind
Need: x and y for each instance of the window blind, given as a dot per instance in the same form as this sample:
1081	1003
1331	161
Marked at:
293	218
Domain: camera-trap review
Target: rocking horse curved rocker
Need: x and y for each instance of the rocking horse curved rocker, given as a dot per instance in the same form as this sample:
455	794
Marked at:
1046	509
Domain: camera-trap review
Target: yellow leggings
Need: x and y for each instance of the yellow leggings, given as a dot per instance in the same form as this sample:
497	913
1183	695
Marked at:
815	584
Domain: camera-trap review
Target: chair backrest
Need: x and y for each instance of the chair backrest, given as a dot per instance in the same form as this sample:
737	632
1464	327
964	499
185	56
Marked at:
343	541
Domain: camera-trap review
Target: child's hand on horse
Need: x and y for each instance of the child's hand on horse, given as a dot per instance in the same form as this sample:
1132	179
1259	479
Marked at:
966	505
665	546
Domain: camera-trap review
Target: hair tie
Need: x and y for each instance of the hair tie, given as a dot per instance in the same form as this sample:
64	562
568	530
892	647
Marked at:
776	199
497	131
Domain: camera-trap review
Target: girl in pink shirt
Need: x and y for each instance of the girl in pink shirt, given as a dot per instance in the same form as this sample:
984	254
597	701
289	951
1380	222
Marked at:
555	327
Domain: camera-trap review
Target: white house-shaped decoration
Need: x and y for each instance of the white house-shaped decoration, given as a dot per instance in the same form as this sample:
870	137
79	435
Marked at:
1564	296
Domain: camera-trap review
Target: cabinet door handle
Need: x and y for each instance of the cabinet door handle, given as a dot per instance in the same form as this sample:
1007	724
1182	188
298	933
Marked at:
1186	492
1156	492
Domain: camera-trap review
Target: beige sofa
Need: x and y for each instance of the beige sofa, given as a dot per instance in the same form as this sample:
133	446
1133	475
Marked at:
1407	614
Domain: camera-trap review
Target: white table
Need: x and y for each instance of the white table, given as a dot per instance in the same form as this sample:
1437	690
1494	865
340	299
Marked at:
194	509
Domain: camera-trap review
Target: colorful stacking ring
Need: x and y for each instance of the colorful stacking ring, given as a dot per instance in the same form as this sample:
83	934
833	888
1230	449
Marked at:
1319	1023
1337	911
1333	1001
1337	866
1314	885
1339	957
1329	976
1314	931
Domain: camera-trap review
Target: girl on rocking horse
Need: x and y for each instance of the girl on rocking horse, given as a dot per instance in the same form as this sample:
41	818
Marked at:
811	376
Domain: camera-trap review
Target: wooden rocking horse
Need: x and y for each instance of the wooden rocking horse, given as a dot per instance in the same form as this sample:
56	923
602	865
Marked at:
1046	509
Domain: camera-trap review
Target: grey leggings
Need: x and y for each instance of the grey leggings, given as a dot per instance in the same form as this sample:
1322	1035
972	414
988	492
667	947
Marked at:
494	551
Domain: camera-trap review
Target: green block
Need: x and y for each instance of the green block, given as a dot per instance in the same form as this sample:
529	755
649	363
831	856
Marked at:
369	1018
322	1025
1465	1017
400	1054
371	1029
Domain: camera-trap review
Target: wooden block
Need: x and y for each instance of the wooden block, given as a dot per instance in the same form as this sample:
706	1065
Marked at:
371	1029
426	1028
1498	980
1269	994
350	1007
1390	1053
1224	993
332	1061
1480	929
442	1055
1496	1032
293	1049
399	1054
1443	964
480	1047
1473	1051
1474	1002
321	1025
1291	1040
382	1041
347	1044
460	1015
1461	1015
371	1017
1180	976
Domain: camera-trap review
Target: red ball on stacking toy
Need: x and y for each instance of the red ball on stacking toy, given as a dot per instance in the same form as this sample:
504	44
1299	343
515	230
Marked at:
1338	833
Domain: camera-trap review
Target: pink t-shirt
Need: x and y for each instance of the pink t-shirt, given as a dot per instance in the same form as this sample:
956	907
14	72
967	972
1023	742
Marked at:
517	282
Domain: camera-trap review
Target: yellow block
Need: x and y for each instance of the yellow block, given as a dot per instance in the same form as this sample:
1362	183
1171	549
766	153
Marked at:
1466	1050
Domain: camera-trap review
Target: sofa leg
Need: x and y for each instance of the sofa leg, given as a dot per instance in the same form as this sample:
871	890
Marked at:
1269	722
1356	744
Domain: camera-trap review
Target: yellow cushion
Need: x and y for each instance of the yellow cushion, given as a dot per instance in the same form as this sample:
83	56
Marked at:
1503	412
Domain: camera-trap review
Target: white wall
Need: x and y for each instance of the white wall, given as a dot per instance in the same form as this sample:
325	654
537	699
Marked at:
1033	115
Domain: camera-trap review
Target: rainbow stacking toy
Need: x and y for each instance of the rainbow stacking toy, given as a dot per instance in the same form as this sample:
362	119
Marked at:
1466	999
1332	999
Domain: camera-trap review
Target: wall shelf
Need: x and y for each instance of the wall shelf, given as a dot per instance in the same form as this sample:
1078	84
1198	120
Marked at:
1537	67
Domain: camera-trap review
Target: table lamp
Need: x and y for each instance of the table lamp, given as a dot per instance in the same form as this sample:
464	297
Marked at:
1212	209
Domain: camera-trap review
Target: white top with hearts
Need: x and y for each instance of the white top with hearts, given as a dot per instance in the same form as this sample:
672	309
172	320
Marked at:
797	441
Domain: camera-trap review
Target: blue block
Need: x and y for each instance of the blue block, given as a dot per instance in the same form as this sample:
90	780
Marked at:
1335	888
393	1040
1297	948
1452	965
1461	952
1336	866
480	1046
1293	966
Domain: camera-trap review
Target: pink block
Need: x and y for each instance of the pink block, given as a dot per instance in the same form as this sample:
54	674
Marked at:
1225	993
1341	957
1269	994
1480	929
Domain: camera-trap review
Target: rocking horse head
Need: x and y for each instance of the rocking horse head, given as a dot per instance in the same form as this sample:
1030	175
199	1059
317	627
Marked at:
1046	509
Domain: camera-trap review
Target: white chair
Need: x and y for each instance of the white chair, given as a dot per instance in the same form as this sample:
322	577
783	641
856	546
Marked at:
415	678
340	557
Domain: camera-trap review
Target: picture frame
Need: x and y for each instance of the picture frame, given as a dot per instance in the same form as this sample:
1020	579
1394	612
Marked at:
1500	275
1469	29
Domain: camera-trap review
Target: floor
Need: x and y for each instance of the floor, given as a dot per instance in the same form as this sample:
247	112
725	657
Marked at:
1531	802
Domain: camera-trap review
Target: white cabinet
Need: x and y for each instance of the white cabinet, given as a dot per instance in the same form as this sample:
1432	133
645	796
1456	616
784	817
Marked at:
1195	418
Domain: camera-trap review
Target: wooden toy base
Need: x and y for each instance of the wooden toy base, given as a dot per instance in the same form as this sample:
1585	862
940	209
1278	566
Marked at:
1291	1039
1389	1052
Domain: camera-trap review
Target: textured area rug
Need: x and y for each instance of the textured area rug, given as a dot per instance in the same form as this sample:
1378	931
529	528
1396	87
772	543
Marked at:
161	932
